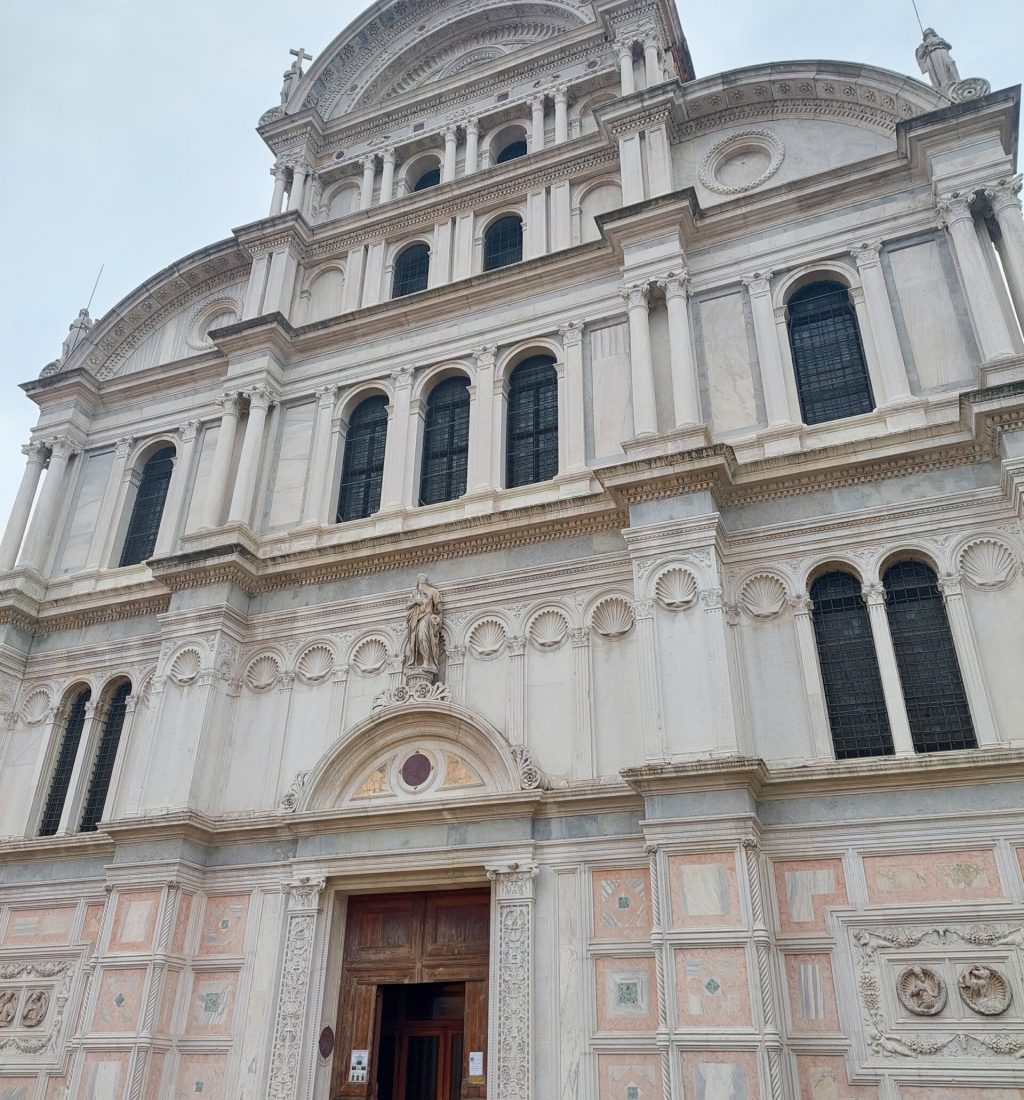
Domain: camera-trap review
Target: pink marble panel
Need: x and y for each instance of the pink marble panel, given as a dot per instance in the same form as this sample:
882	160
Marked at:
629	1077
134	921
91	924
806	889
202	1075
104	1075
119	1000
622	903
212	1002
223	930
181	919
627	994
56	1089
721	1074
812	994
704	891
712	987
17	1088
168	997
958	1092
39	927
932	877
824	1077
154	1076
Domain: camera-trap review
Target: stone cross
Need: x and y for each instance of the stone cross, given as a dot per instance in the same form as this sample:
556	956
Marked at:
294	73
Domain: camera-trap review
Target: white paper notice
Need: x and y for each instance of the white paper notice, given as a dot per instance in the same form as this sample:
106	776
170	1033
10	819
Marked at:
476	1063
358	1066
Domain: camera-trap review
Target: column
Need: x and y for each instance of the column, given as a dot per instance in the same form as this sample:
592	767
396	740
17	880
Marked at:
583	727
537	126
299	170
472	146
451	144
455	667
682	363
903	742
572	397
1005	203
517	690
990	325
721	686
481	421
626	81
895	385
260	400
652	64
71	812
651	721
641	362
387	175
320	459
369	165
102	545
392	494
511	1048
35	455
807	651
289	1045
561	115
631	169
40	536
966	646
279	172
220	470
165	537
773	382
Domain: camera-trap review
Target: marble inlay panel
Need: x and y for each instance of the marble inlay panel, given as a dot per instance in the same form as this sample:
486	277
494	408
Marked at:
824	1077
223	930
812	994
932	877
134	922
202	1075
704	890
712	987
104	1075
622	909
119	1000
212	1003
806	889
181	919
629	1077
721	1075
39	927
627	998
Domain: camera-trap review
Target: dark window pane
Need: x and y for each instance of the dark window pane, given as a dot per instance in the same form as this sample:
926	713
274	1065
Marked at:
70	738
362	471
831	375
849	668
411	271
445	442
532	431
428	179
106	754
513	151
422	1056
933	689
148	509
503	242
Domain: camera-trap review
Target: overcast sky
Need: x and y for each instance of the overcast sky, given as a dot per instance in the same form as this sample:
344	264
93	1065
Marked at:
129	139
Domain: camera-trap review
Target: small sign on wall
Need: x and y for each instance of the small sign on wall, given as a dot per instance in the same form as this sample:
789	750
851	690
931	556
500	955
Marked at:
359	1067
476	1067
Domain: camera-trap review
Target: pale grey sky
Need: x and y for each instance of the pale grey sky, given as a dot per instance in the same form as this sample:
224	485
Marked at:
129	131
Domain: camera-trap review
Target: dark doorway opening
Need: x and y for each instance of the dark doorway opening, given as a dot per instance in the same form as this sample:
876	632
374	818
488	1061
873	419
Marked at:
421	1041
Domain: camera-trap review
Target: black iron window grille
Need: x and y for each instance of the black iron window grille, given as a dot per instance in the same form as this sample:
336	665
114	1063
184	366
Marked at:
362	470
933	689
849	668
503	242
148	509
513	151
445	442
71	735
106	754
412	270
532	428
828	357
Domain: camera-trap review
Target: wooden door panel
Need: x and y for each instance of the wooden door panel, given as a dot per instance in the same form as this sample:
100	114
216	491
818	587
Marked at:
383	930
456	926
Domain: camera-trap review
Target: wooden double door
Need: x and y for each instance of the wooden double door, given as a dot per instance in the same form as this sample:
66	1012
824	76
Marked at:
414	995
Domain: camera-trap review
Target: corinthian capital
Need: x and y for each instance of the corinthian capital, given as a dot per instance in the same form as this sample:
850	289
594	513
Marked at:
867	252
956	207
572	334
62	446
1004	194
759	282
676	284
485	356
636	296
874	594
34	451
260	397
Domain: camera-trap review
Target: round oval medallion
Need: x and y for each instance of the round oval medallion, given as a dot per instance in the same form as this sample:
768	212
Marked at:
416	770
984	990
742	162
921	991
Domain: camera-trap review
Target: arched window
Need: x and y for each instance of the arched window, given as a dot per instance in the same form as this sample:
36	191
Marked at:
933	689
412	269
445	442
362	471
503	242
71	735
106	754
430	178
831	375
513	151
532	427
148	508
849	668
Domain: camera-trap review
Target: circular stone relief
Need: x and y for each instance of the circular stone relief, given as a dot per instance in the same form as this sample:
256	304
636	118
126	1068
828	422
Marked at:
742	162
985	990
921	991
416	770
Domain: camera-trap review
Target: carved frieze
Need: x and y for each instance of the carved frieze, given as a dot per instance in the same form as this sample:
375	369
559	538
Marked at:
33	996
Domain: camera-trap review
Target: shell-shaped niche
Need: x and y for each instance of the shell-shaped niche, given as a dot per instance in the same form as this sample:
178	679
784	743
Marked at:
487	638
988	563
548	629
36	706
612	617
186	666
262	673
315	664
763	596
676	589
370	656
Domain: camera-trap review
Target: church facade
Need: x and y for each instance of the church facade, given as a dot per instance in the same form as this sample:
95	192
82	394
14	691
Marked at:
540	615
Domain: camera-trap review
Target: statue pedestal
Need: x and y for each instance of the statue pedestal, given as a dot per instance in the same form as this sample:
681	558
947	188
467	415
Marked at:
416	676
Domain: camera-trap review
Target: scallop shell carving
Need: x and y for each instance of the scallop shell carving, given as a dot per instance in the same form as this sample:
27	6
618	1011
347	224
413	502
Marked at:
763	596
487	638
612	618
370	656
985	990
988	564
676	589
316	664
548	629
36	706
921	991
186	666
263	672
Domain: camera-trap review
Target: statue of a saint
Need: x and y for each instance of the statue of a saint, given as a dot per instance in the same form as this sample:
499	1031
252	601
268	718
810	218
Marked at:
294	74
936	61
423	615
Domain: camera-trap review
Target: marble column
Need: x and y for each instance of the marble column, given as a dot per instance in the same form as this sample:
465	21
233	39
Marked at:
572	397
14	534
651	714
1004	198
41	533
280	173
810	669
773	381
299	170
899	726
652	63
537	124
482	424
583	727
472	146
260	401
641	360
966	646
626	81
561	115
387	175
517	690
397	444
320	463
369	166
989	322
720	682
451	145
175	499
895	385
220	469
683	364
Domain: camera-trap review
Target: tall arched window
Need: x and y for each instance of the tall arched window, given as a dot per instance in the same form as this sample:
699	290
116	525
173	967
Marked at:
445	442
106	754
933	689
828	358
412	269
849	668
503	242
71	735
148	508
362	471
532	428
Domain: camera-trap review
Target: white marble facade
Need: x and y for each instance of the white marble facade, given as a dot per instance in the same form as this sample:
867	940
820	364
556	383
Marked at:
630	734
